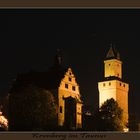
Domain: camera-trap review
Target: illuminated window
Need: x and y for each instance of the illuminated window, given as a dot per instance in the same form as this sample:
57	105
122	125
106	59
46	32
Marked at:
66	85
69	79
104	84
60	109
109	83
73	88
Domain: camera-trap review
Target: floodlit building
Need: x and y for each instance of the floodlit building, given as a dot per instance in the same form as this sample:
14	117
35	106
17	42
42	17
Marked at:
112	86
69	101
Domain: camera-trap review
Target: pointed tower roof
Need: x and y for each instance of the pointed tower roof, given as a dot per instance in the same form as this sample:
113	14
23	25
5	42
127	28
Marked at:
113	53
58	58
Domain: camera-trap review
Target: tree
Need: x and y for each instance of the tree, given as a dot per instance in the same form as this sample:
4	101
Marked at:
109	117
3	122
32	109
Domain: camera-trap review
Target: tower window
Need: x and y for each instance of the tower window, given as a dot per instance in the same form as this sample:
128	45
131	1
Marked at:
73	88
66	85
109	64
60	109
104	84
109	83
120	84
123	85
69	79
70	73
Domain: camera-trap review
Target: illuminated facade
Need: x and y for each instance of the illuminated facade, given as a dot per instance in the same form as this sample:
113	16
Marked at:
69	99
69	88
112	86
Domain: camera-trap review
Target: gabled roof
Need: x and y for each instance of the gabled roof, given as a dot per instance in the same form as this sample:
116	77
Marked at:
48	80
52	78
113	53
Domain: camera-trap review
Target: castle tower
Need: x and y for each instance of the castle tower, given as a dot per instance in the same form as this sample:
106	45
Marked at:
113	86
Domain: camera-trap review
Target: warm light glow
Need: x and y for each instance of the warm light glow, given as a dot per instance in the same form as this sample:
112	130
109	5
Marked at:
3	121
72	90
114	88
125	129
113	67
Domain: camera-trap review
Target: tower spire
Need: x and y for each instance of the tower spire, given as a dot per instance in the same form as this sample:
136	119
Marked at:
113	53
58	58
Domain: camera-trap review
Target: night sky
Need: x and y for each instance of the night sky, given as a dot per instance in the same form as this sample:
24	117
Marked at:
29	40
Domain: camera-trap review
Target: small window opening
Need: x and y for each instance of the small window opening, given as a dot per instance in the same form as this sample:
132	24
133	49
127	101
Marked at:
73	88
60	109
66	85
